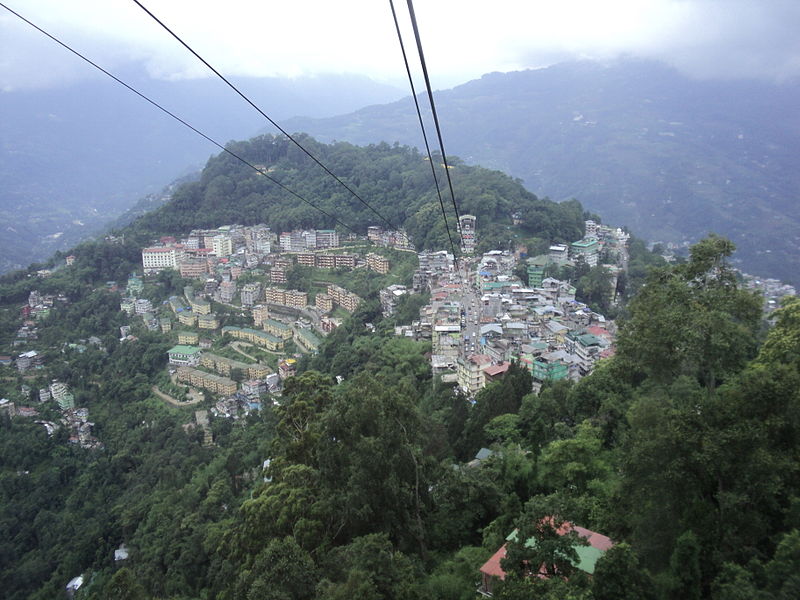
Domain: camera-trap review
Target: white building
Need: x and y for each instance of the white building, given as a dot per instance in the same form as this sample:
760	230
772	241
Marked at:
160	258
222	245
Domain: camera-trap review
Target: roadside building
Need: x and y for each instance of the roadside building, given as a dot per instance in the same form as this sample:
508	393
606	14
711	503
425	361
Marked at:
184	355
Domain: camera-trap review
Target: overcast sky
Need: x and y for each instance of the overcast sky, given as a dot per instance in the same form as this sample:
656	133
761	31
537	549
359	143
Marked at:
463	39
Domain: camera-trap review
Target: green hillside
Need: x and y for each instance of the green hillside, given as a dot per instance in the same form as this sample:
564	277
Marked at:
395	180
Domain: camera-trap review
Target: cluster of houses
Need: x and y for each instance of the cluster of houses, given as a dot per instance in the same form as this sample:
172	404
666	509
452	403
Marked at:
773	290
76	420
478	327
240	385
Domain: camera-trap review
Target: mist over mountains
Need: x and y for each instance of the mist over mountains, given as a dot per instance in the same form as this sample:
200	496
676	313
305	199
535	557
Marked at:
639	143
72	158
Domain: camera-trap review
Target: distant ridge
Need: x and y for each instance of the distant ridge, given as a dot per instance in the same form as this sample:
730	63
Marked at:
643	145
74	157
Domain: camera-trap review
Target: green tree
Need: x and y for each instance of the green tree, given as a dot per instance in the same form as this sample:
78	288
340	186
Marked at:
684	565
618	575
125	586
692	319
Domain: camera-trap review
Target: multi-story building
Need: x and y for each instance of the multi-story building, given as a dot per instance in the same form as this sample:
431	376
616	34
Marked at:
209	321
324	302
327	238
307	339
250	293
188	338
193	268
390	296
466	226
374	233
188	318
225	366
128	305
161	258
213	383
260	314
185	356
222	245
199	305
135	285
586	249
165	324
326	261
378	263
345	261
29	360
536	266
277	328
277	275
260	338
142	306
306	259
552	366
296	299
347	300
287	367
558	253
470	373
226	291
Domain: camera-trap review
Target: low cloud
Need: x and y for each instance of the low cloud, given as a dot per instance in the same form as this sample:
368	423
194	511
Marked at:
463	38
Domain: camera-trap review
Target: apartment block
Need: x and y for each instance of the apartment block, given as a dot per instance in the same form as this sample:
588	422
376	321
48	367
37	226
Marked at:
260	314
260	338
377	263
208	381
277	328
277	275
224	366
324	303
347	300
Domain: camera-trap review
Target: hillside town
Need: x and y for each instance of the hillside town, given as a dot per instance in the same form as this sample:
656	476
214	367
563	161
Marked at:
238	327
482	315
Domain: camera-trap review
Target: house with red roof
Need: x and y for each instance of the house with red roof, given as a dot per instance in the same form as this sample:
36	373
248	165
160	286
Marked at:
588	555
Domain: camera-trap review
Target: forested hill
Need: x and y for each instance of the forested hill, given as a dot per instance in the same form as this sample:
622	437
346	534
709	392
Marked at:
396	181
671	157
75	156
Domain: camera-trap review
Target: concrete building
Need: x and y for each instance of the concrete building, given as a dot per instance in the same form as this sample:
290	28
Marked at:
347	300
188	338
470	373
587	250
260	338
324	302
277	275
327	238
377	263
390	296
184	356
158	259
466	226
225	366
208	381
250	293
222	245
260	314
277	328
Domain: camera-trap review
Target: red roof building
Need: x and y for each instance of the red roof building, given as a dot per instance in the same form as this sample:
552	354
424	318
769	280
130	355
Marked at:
588	556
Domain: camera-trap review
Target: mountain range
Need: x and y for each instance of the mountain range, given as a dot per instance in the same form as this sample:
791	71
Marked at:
72	158
639	143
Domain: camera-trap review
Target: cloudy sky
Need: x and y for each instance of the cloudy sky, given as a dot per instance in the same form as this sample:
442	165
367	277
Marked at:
462	38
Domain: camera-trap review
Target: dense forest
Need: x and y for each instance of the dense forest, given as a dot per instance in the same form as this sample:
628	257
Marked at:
683	447
395	180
